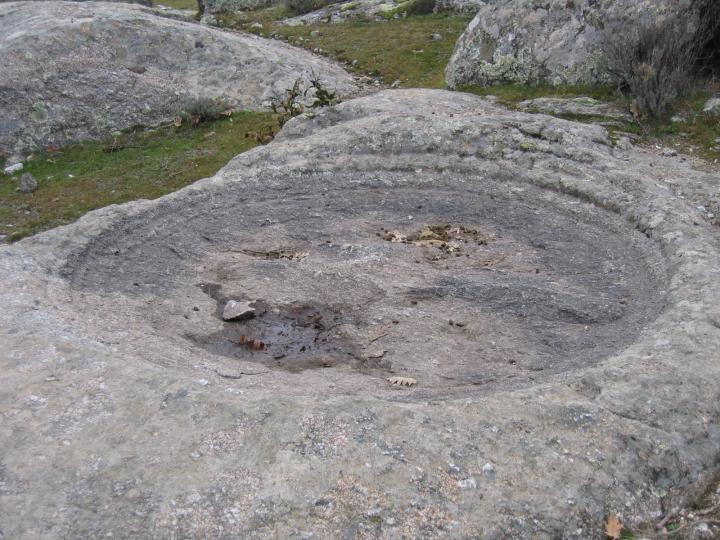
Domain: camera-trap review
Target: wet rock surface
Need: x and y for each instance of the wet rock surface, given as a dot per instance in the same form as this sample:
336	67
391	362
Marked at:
83	70
575	262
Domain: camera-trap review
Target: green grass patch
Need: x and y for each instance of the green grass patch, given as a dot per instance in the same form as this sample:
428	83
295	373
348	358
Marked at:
512	94
696	132
135	165
395	50
687	129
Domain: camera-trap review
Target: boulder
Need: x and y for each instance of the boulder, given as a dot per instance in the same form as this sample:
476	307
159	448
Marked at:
581	360
11	169
235	310
376	10
712	107
28	184
554	42
341	12
82	70
469	7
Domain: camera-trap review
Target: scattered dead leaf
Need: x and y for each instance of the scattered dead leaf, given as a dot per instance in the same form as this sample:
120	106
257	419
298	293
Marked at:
446	238
613	527
379	353
252	344
402	381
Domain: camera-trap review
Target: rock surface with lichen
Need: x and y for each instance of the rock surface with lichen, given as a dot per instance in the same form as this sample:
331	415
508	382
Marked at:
82	70
553	42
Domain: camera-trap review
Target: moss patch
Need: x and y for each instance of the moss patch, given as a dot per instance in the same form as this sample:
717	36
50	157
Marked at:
144	164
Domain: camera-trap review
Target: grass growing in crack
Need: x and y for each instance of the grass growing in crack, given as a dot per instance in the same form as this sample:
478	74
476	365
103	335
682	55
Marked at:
138	165
512	94
395	50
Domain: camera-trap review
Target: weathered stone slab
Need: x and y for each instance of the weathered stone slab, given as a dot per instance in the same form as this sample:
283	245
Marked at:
538	348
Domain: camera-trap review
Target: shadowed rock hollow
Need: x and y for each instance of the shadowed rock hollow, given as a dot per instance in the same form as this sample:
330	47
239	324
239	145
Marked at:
77	70
554	302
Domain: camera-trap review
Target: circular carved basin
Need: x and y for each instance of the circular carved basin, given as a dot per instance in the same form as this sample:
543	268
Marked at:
487	286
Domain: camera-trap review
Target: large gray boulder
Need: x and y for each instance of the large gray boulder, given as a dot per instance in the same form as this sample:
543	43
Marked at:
553	42
712	106
143	2
579	376
73	71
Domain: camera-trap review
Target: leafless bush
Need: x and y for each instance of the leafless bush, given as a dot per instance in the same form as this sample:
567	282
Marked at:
203	109
655	60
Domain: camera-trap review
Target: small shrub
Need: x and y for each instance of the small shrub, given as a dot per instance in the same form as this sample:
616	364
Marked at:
203	109
710	56
288	105
655	61
323	96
